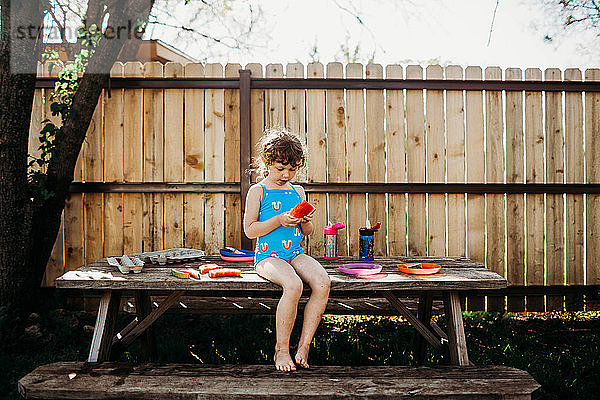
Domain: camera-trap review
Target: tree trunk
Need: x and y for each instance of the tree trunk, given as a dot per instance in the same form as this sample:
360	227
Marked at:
16	97
29	228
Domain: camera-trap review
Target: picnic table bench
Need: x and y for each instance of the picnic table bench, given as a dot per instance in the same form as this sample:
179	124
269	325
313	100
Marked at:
155	283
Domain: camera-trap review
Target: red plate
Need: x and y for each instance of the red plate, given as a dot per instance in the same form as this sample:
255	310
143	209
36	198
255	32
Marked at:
426	269
360	269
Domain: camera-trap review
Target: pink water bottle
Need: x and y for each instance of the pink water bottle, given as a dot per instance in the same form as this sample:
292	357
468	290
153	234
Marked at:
330	240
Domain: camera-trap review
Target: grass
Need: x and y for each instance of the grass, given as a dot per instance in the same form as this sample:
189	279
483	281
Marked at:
560	350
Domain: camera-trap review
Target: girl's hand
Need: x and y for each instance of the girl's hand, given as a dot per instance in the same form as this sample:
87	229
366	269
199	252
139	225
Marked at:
287	221
307	218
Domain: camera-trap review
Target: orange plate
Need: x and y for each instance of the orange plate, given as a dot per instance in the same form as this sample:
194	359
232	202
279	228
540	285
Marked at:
427	269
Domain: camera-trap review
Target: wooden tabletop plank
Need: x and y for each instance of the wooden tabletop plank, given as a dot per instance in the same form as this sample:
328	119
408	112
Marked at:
456	274
186	381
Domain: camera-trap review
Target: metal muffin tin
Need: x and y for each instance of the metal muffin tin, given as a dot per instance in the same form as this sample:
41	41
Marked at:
171	256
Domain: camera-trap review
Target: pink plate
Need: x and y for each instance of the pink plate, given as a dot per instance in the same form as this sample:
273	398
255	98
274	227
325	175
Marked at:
234	259
360	269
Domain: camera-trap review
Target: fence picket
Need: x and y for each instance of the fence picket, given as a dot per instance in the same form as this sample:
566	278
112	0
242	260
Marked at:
295	110
257	114
274	99
194	159
376	157
336	153
396	170
133	121
356	148
214	171
574	152
173	158
415	164
554	202
317	157
153	166
455	163
113	166
494	174
534	173
233	230
515	203
436	143
592	173
92	202
475	174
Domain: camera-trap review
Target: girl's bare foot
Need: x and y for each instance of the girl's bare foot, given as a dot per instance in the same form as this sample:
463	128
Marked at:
302	356
283	361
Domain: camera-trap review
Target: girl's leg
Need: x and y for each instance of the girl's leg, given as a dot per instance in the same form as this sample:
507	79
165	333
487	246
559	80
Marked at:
312	272
281	273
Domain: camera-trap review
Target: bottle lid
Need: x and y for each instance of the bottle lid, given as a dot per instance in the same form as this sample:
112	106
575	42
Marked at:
333	229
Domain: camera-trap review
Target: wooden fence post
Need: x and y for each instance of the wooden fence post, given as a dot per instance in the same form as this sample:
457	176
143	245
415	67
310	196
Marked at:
245	148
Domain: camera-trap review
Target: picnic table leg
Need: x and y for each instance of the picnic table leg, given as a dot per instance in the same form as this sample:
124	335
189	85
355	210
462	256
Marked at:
105	326
424	315
143	308
456	333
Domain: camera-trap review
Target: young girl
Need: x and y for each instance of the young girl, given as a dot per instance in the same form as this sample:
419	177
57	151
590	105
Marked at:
279	257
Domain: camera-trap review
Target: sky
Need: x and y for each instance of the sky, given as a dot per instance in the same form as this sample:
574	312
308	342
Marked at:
404	31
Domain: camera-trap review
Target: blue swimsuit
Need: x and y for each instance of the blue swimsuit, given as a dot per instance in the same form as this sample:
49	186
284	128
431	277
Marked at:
281	242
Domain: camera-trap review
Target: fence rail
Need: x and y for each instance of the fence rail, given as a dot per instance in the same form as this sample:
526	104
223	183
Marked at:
500	166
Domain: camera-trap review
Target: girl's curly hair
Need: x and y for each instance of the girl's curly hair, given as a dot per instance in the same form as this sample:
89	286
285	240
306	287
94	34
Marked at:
279	145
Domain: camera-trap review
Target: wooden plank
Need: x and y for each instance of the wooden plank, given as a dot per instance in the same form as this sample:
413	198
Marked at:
133	124
356	148
455	161
233	227
257	113
214	171
295	106
436	171
592	173
153	167
415	167
396	154
424	314
376	157
148	339
173	158
73	225
113	167
194	159
475	174
92	172
416	323
494	174
336	156
515	203
274	99
555	173
144	324
35	123
574	152
317	162
456	332
534	173
202	382
106	318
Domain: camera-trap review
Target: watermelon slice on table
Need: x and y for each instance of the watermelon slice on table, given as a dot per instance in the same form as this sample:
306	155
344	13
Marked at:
208	267
221	272
302	210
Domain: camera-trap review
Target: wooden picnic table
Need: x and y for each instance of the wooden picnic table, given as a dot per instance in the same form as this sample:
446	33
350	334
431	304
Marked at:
458	274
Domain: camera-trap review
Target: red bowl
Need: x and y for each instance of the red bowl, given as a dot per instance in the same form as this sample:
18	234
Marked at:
426	269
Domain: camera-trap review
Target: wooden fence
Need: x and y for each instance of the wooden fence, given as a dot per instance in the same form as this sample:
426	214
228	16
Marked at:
427	131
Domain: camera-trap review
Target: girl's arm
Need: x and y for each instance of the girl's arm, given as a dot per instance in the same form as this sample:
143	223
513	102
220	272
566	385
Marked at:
252	227
305	223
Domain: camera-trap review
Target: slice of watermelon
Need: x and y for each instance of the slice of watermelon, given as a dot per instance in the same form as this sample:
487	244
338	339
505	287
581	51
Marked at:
208	267
216	273
302	210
